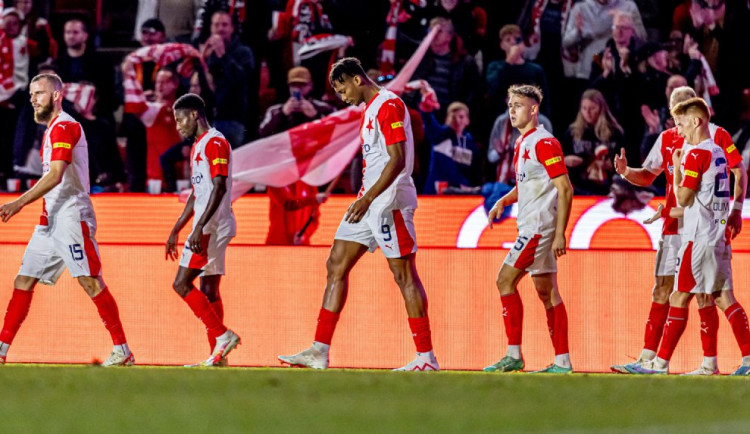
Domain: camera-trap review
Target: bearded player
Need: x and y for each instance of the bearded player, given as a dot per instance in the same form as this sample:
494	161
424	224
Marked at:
214	225
659	160
382	216
65	234
544	195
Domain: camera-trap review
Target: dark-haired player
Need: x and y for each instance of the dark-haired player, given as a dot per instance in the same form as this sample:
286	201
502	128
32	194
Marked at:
544	197
65	234
382	216
213	225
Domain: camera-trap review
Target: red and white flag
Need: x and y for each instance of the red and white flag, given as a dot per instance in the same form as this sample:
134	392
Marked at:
81	95
315	152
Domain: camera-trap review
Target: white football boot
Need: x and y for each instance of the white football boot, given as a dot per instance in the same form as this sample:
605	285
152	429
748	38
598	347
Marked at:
309	358
423	362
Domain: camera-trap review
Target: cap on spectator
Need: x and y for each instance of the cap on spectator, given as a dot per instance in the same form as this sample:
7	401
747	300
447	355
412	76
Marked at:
153	24
12	11
649	49
299	74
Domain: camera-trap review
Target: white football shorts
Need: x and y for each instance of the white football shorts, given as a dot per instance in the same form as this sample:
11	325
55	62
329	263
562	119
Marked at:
533	253
703	269
212	258
666	255
390	228
69	243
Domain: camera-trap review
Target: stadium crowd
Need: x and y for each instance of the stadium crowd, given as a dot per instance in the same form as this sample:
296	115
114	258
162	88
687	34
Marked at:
606	68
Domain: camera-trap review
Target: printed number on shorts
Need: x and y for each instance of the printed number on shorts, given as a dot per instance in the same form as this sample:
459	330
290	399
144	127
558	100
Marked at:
76	252
520	242
386	231
721	183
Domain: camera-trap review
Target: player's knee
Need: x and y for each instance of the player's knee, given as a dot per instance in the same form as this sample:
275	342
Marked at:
335	267
662	289
181	287
24	282
91	285
704	300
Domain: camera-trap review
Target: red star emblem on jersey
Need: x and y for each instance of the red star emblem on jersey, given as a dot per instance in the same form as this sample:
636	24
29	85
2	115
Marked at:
526	155
198	158
369	125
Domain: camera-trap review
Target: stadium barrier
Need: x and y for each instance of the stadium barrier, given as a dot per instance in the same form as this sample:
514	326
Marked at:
272	294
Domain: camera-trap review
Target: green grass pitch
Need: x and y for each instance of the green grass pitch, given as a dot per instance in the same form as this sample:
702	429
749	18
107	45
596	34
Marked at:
82	399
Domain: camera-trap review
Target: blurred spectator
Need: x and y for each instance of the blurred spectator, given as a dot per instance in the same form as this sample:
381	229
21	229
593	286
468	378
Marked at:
742	137
37	29
25	51
298	109
231	65
455	165
303	19
106	172
449	69
14	63
470	22
78	63
659	119
589	28
153	32
654	75
501	74
502	147
161	129
615	73
589	143
178	16
294	207
543	28
620	50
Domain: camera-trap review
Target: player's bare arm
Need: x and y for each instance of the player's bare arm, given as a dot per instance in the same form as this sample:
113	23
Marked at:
47	182
217	194
564	203
734	222
636	176
684	195
675	213
187	213
497	209
395	165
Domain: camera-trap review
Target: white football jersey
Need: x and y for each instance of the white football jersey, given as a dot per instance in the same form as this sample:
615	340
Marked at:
385	122
538	159
211	156
705	170
64	140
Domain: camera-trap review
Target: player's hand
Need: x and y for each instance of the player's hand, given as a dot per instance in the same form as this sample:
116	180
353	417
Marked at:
321	197
558	245
194	241
171	247
654	217
734	223
621	163
10	209
677	158
357	209
495	212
